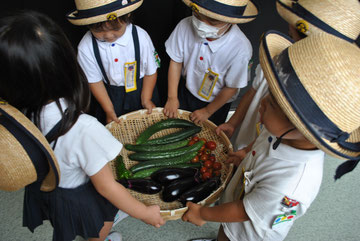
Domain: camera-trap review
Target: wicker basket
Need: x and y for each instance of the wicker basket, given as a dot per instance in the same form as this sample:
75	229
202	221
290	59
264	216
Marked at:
132	124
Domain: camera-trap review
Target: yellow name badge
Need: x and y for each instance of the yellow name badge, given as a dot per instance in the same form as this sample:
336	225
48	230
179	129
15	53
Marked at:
208	84
130	76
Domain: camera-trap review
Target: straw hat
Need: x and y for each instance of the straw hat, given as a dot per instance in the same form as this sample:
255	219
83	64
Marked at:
338	17
229	11
95	11
25	154
316	83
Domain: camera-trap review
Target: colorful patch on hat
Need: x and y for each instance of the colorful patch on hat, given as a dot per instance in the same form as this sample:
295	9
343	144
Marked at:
111	16
284	217
157	59
288	202
194	7
124	2
302	26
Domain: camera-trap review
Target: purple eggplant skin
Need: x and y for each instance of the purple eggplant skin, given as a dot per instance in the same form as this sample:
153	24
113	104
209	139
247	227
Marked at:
142	185
174	189
200	192
166	175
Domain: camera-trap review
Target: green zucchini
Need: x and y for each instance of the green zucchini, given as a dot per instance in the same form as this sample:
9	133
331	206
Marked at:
164	162
147	172
147	148
161	125
147	156
121	171
174	137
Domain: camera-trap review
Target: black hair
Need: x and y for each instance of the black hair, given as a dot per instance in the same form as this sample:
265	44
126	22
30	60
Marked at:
38	66
111	24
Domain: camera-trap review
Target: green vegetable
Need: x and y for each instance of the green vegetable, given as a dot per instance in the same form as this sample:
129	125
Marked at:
174	137
121	171
147	148
147	172
147	156
161	125
164	162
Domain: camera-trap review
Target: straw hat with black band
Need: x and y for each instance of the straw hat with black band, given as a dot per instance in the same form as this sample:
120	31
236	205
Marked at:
25	155
228	11
95	11
337	17
316	83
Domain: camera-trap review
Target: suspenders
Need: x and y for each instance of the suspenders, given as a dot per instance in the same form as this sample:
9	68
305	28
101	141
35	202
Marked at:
137	55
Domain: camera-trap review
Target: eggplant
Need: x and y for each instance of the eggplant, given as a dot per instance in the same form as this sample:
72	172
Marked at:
142	185
174	189
200	192
167	175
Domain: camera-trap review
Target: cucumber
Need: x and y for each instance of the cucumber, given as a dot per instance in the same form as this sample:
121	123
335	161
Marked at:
149	171
164	162
161	125
147	156
174	137
147	148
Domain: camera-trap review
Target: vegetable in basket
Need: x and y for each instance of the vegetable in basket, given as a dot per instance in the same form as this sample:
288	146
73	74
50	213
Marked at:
121	171
174	189
161	125
147	148
146	186
149	171
174	137
166	175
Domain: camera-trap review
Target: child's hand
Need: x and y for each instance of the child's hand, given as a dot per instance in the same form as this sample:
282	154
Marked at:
227	128
149	105
171	106
192	215
236	157
153	216
111	117
199	116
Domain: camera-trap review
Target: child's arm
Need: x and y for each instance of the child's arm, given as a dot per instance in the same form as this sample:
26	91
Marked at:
203	114
236	119
227	212
172	103
149	83
106	185
101	95
237	157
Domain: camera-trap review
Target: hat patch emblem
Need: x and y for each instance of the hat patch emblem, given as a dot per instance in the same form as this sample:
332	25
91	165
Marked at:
111	16
124	2
194	7
302	26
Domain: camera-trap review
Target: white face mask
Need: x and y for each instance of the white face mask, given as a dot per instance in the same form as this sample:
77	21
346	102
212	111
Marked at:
207	31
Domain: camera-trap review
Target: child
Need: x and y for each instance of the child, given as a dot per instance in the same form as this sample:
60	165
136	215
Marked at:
301	24
211	54
281	176
41	77
118	58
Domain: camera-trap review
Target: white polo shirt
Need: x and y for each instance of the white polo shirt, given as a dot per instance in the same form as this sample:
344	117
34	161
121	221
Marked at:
227	56
269	176
84	150
114	56
247	131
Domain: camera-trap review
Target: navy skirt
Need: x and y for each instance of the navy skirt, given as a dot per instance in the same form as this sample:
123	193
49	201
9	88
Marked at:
80	211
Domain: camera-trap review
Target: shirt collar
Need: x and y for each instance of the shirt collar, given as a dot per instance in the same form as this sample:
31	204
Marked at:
214	45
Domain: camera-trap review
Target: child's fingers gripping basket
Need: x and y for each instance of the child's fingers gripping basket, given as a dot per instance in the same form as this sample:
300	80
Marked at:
134	123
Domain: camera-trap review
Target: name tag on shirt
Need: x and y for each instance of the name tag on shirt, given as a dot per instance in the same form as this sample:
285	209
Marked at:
130	76
208	84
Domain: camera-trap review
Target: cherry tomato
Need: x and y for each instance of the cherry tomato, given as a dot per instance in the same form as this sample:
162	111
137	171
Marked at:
195	159
217	173
203	170
207	151
204	157
192	142
208	164
206	175
203	139
195	138
211	145
202	148
217	165
212	158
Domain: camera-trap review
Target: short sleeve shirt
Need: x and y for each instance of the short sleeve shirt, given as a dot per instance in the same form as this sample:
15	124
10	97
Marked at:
268	176
114	56
228	56
84	150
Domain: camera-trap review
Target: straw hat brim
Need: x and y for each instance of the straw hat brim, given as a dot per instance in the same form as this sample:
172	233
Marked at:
17	169
250	13
72	17
272	44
